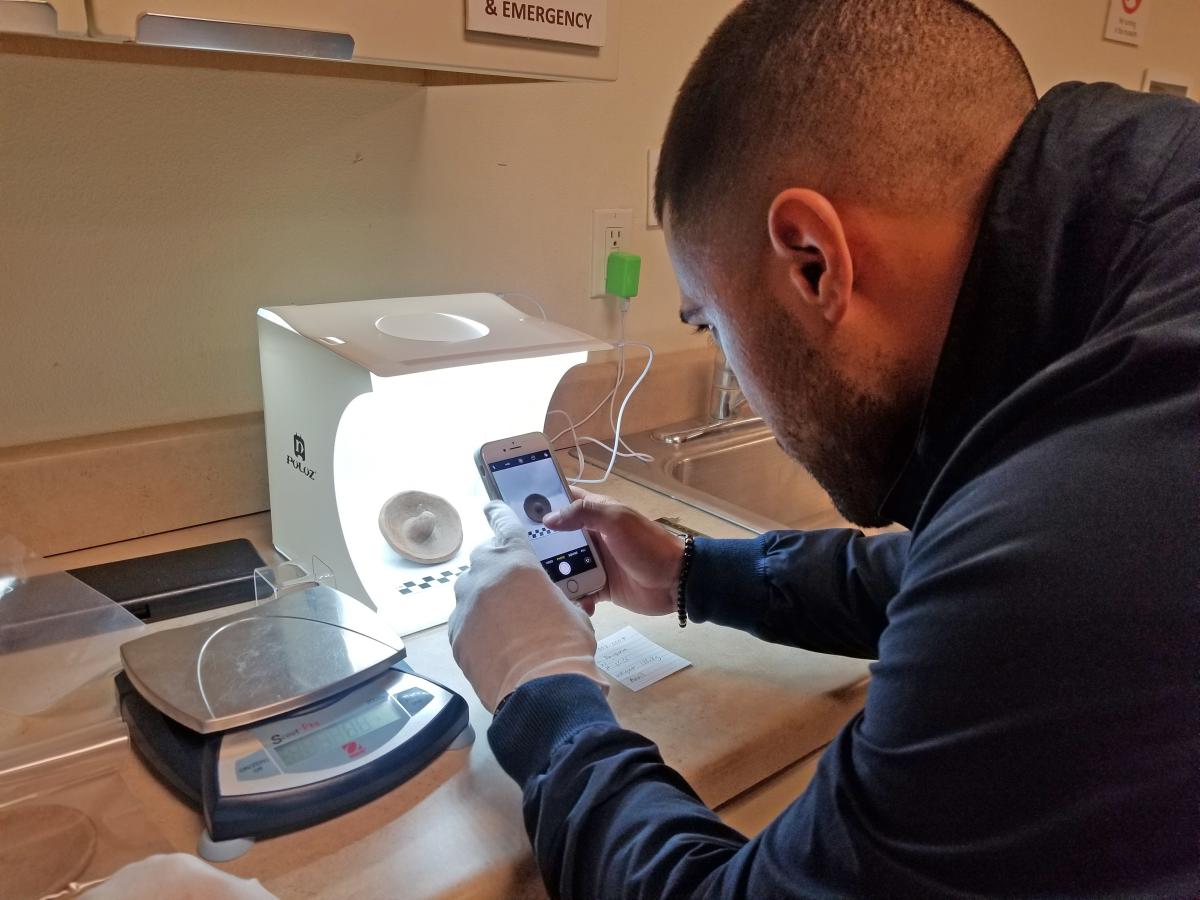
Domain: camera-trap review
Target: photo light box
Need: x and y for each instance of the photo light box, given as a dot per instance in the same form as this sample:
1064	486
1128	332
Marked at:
364	399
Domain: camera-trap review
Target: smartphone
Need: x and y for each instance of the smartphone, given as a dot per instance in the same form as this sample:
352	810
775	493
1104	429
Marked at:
522	472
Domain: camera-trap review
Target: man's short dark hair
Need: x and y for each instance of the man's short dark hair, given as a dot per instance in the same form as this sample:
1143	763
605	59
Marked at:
887	101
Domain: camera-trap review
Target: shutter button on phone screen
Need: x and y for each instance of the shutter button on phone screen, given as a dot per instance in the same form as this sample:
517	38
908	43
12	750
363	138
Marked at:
564	567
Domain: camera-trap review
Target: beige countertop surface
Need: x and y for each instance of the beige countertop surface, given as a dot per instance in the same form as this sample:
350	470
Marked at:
743	724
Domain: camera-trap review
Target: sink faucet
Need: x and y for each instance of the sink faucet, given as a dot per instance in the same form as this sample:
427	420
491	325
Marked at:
726	396
724	413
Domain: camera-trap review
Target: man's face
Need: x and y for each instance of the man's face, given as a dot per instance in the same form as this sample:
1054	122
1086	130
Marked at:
850	424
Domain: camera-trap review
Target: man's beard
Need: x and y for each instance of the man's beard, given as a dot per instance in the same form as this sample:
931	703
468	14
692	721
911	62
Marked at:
854	443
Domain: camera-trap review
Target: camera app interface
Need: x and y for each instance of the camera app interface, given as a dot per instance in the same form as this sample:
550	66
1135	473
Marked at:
531	487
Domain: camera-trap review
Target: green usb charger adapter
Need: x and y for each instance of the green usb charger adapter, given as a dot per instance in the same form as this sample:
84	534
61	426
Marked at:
621	274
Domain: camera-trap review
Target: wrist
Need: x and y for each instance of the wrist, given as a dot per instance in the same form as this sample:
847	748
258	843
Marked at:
676	568
728	582
541	716
582	664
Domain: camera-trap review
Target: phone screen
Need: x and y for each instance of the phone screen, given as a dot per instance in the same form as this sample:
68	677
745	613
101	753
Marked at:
531	487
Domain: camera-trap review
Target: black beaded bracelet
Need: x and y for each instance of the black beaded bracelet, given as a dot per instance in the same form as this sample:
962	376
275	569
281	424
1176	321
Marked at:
689	549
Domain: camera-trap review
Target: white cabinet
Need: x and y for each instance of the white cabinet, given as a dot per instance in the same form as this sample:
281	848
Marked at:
420	34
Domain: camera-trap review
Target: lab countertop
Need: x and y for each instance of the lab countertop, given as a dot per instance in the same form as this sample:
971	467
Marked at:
742	724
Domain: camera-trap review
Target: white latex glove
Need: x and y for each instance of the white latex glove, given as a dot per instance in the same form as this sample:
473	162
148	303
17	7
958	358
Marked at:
176	876
510	623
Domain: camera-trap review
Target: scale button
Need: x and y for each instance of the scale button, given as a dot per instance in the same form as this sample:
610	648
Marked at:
413	700
255	766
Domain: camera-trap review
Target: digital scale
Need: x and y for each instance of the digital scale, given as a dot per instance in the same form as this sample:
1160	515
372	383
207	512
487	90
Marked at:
284	716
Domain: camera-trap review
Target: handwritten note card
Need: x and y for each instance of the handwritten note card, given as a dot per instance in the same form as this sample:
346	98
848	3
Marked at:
634	660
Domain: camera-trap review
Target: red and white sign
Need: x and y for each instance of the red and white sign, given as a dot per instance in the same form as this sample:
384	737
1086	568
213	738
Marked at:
569	21
1126	21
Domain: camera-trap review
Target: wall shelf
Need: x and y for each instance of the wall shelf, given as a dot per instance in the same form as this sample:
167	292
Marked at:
423	42
71	48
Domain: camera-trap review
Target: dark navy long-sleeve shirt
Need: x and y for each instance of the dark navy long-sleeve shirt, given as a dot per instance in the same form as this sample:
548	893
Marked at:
1032	726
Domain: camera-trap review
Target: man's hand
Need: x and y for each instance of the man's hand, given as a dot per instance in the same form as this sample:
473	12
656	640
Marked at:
641	558
511	624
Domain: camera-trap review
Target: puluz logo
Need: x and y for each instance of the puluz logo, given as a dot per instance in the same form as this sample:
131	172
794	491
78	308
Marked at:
296	459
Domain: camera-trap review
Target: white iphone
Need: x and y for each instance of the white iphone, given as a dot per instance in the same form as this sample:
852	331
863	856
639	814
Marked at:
522	472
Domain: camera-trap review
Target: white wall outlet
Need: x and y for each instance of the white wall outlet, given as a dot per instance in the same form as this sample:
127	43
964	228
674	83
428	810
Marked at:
610	231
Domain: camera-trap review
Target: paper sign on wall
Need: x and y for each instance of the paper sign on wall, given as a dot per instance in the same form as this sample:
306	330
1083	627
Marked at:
570	21
1126	21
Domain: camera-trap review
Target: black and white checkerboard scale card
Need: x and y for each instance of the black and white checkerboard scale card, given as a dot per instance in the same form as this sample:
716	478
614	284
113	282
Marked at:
538	532
444	577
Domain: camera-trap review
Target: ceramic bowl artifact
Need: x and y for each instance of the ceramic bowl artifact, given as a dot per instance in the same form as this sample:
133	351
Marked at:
536	507
422	527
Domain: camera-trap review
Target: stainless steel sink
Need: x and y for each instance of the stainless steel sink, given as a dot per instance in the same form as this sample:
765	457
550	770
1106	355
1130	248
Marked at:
735	471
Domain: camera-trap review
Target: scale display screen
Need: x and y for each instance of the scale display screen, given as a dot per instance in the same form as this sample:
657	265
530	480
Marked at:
339	734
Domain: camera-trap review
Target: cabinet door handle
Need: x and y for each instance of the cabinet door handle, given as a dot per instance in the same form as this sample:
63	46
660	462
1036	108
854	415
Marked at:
237	37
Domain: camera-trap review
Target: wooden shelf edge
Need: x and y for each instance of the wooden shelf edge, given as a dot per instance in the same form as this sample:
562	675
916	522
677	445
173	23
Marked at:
145	54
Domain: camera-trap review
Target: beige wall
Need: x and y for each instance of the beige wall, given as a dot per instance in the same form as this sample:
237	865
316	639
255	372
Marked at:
1062	40
145	212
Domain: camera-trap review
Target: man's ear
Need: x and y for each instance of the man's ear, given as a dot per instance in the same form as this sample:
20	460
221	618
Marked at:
808	237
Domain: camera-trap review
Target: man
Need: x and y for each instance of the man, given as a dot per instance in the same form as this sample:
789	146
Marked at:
975	314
